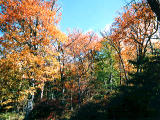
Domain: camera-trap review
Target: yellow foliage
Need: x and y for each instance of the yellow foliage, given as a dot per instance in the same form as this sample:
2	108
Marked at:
6	102
8	107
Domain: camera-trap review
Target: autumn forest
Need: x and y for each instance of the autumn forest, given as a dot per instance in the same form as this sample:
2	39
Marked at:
46	74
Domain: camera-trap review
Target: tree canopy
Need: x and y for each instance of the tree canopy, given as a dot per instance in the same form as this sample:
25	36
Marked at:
47	74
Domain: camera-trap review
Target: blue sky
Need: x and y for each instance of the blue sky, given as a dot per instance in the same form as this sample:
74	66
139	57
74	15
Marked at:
89	14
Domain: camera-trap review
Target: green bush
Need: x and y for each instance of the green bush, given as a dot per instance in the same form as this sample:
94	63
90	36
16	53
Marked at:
11	116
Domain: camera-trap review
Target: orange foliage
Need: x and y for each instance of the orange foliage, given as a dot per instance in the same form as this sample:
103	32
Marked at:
132	32
29	32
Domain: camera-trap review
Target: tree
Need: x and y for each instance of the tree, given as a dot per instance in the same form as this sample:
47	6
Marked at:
107	77
78	53
132	33
139	99
83	47
28	29
155	6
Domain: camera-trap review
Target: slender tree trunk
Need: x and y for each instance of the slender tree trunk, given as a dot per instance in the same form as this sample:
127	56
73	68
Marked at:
120	73
42	91
29	106
79	92
122	67
71	100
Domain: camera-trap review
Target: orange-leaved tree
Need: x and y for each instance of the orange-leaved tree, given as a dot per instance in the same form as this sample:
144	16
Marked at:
132	34
28	29
80	50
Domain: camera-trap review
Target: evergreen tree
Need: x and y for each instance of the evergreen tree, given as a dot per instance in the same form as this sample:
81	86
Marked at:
140	97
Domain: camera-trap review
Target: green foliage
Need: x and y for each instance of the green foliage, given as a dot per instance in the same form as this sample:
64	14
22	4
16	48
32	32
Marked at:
140	96
74	77
11	116
107	77
12	86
